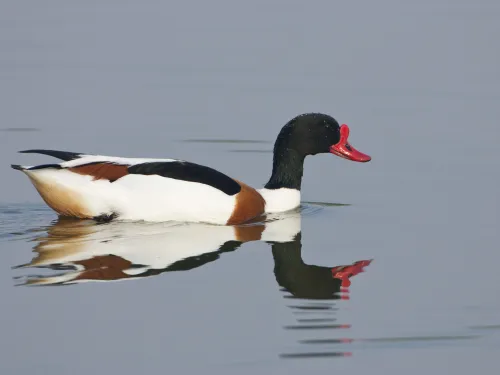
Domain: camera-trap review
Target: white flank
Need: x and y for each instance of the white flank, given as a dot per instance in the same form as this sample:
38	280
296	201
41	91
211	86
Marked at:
280	200
140	197
156	198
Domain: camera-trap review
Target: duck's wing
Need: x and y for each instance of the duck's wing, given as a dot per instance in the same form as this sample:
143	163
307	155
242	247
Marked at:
186	171
112	168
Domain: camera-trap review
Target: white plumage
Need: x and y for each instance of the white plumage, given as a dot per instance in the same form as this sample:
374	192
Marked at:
280	200
136	197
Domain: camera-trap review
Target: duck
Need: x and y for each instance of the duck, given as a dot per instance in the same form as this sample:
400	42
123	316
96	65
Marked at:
105	188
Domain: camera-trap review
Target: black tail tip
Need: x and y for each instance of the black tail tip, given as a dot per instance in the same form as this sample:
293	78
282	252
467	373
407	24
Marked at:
17	167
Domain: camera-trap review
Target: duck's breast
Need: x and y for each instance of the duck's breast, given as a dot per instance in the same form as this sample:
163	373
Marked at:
280	200
249	204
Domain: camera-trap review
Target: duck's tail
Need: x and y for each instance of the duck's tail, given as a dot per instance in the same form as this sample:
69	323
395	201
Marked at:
63	155
18	167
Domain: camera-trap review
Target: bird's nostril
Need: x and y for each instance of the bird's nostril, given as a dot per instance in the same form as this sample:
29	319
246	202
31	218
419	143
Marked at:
348	146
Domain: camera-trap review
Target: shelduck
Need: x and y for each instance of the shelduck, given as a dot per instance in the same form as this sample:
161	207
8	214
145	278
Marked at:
105	187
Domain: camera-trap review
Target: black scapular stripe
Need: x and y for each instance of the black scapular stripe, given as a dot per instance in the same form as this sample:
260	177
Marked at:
186	171
63	155
45	166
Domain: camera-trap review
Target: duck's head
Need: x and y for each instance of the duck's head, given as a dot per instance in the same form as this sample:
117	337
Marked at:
308	134
316	133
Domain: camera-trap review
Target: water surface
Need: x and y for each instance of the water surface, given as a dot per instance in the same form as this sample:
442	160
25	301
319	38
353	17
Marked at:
389	267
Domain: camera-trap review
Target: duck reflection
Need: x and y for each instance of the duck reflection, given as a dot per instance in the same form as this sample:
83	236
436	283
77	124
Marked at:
82	251
313	287
310	281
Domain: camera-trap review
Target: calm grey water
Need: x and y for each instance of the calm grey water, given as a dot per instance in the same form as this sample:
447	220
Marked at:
213	82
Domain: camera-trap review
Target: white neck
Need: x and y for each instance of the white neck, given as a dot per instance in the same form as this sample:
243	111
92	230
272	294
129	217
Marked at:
280	200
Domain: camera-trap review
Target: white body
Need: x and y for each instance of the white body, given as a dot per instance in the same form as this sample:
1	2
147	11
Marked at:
147	197
139	197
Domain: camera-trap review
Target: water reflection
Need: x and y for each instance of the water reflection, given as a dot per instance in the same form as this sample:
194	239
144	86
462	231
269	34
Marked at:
312	287
83	251
80	251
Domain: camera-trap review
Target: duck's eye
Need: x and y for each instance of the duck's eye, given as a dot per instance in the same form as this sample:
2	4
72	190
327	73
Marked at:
348	146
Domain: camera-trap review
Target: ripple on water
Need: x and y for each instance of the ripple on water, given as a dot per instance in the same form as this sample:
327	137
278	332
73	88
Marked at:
349	345
250	151
326	204
242	141
14	130
21	221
